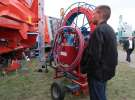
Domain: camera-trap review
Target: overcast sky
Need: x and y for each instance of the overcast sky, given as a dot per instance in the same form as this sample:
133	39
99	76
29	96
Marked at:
119	7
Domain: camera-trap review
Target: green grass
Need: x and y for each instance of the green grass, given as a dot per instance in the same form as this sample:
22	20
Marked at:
28	84
122	87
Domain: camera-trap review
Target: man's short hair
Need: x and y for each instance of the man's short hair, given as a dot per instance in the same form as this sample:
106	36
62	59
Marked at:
105	10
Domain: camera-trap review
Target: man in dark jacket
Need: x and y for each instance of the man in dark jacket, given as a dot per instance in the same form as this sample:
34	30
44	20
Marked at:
99	59
128	46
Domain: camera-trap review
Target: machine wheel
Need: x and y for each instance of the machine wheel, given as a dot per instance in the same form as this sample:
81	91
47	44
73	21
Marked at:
57	91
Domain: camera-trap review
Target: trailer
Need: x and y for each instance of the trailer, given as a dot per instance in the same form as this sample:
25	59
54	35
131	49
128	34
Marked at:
18	31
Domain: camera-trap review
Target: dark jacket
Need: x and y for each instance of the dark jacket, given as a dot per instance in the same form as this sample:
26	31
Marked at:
126	45
100	58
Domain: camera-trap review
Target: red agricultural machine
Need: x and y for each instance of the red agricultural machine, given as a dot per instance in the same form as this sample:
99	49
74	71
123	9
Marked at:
18	30
69	44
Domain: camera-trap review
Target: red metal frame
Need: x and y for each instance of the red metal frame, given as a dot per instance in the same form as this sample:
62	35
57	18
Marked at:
82	10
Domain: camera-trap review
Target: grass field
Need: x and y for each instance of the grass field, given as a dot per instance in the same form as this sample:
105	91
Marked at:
28	84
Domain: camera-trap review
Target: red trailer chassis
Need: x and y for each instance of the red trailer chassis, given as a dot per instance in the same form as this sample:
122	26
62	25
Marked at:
18	25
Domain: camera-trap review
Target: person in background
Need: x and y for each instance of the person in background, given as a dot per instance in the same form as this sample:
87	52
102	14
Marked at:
128	46
100	57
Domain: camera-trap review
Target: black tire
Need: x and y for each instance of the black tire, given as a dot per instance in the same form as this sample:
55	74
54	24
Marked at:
57	91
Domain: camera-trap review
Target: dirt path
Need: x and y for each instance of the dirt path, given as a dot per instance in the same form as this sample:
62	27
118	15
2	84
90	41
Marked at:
122	57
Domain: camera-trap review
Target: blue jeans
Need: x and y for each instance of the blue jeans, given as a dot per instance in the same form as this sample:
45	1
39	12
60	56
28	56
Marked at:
97	89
